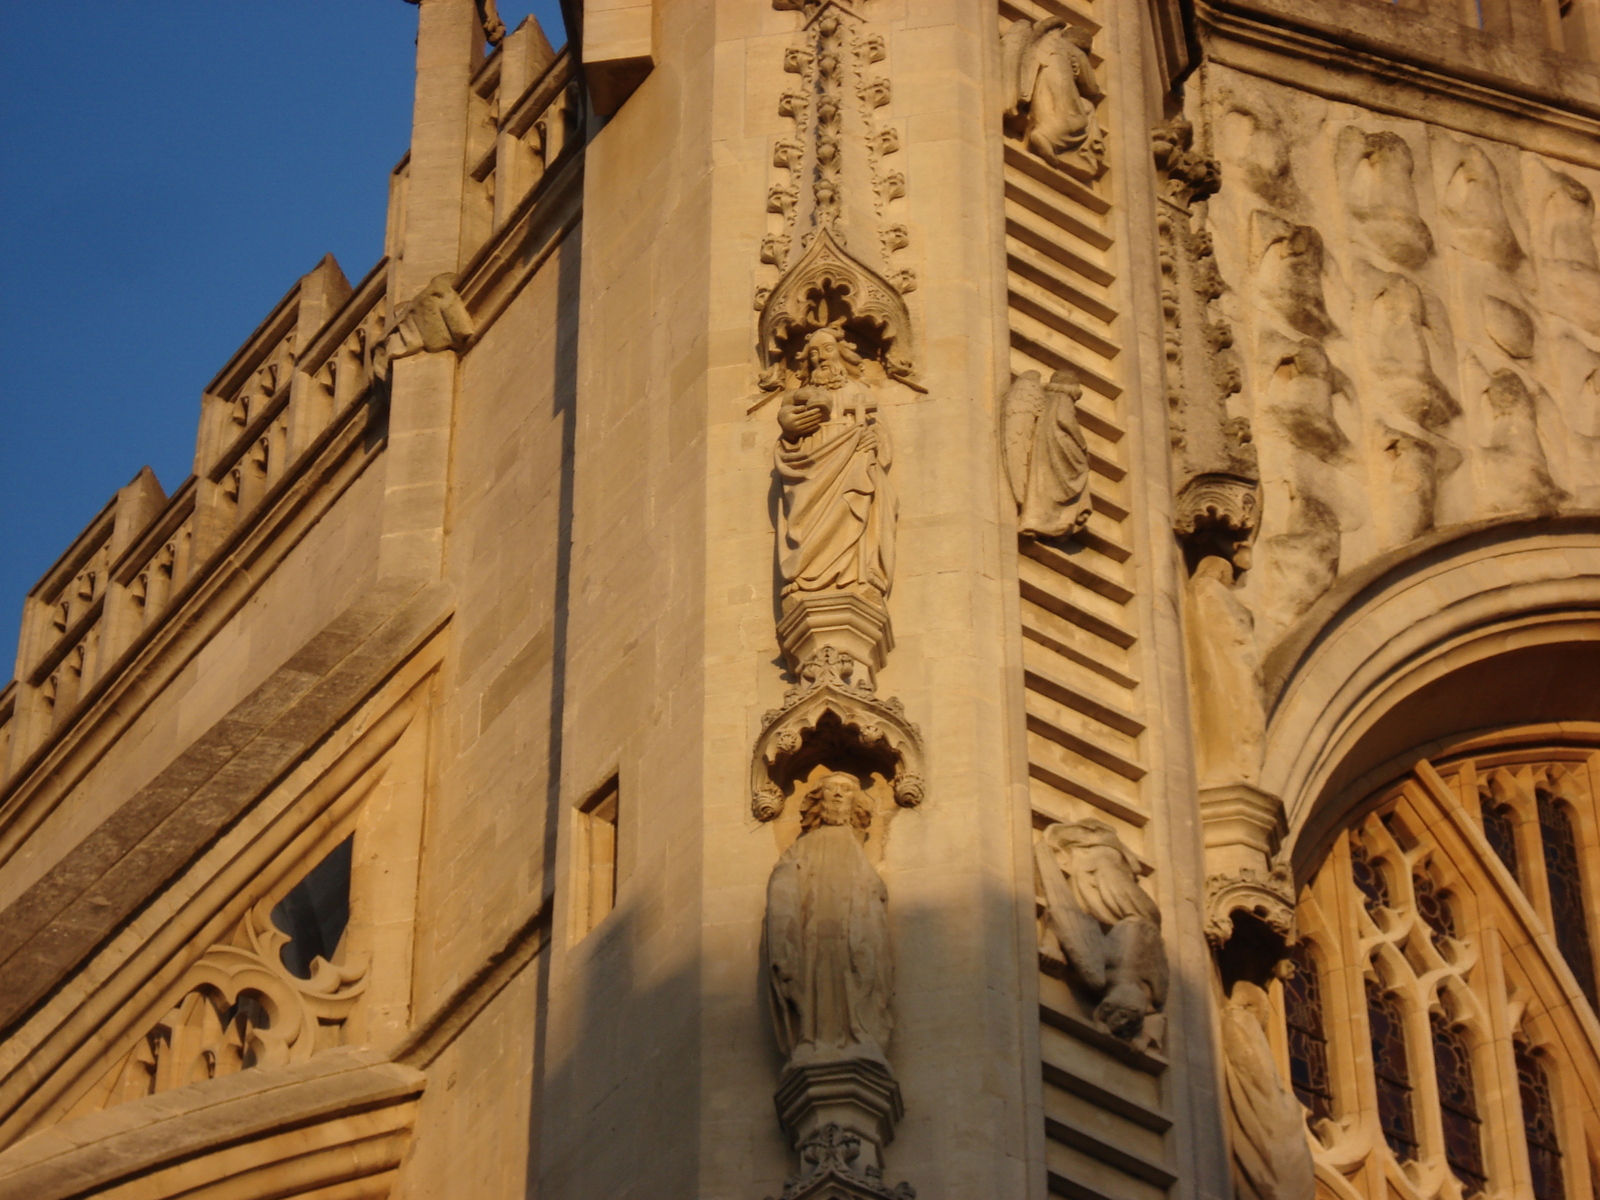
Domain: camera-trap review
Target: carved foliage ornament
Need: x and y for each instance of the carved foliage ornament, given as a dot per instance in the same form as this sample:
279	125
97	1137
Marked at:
238	1007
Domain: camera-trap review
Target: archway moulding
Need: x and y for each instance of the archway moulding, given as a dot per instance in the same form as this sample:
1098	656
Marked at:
1472	631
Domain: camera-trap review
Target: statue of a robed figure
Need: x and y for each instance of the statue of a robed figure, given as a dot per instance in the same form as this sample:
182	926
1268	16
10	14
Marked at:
836	516
828	966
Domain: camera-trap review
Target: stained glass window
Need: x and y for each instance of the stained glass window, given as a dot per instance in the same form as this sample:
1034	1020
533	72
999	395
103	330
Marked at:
1566	891
1434	908
1368	877
1308	1041
1458	1104
1502	834
1391	1065
1539	1124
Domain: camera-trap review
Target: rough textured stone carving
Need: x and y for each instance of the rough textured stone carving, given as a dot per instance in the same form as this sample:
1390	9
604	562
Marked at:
1051	93
1375	176
1271	1156
1516	474
1289	267
829	972
1109	929
1046	457
837	517
1473	202
1571	260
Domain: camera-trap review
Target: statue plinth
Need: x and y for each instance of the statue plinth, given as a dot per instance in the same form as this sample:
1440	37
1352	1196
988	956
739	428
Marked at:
855	1094
1243	826
856	622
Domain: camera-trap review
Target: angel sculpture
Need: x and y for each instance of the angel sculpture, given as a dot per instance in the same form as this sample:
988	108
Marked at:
1046	457
1109	929
1052	92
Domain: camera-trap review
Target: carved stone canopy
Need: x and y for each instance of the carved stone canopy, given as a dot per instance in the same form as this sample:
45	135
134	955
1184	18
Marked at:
829	286
830	717
1218	514
1243	828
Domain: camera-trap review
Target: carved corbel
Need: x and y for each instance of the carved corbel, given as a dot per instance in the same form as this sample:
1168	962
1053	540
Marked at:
434	320
1243	828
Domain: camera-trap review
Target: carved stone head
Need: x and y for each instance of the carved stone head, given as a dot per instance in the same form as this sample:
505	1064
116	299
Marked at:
836	799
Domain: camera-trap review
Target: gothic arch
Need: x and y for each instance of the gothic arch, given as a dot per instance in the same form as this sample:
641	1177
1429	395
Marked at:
1491	627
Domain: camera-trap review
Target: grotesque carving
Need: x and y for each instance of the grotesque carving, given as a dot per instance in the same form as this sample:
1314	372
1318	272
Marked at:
434	319
1271	1156
837	517
1109	929
829	973
1052	92
1375	175
1046	457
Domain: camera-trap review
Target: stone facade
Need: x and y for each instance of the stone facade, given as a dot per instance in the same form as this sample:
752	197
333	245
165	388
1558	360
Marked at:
875	598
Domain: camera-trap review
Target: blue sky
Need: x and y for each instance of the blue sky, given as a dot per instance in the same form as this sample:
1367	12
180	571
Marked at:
170	167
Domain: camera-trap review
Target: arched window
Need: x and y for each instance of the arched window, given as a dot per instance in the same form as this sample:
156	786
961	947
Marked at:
1391	1069
1539	1123
1308	1041
1458	1103
1400	1032
1566	890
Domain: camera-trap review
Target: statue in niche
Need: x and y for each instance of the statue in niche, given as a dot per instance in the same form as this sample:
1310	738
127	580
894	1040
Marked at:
1271	1157
836	519
1109	929
829	971
1046	456
1230	721
1052	93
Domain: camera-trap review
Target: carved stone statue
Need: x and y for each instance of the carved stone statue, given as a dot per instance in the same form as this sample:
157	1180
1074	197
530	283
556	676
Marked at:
1229	718
829	971
1053	92
1046	456
1271	1156
837	517
1109	929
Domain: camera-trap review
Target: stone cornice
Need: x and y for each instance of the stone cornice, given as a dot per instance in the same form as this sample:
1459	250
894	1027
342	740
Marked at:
1413	66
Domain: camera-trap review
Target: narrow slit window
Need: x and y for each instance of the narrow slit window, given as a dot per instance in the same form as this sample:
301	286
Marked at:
1539	1125
1458	1105
597	819
1392	1068
1308	1039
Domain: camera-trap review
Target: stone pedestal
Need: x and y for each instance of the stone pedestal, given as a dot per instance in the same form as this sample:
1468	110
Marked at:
856	622
1243	826
854	1094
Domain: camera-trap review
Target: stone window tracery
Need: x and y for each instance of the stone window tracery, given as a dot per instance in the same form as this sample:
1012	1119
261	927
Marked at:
1566	890
1539	1125
1308	1041
1431	1033
1458	1103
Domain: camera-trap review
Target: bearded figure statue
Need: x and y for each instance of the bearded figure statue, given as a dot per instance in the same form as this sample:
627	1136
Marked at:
1109	929
1053	91
836	519
829	974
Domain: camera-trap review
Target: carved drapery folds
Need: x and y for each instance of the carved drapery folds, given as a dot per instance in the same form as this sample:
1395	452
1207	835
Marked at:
834	341
1108	927
1051	92
1047	459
